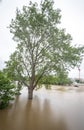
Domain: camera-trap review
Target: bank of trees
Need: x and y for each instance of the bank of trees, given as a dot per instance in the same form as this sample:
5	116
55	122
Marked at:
60	79
43	48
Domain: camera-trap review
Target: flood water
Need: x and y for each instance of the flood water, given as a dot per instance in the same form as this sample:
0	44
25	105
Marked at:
49	110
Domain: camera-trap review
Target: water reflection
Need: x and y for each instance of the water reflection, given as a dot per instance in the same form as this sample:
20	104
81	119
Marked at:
49	110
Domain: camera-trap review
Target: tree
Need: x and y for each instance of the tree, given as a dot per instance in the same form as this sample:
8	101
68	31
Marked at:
6	90
42	47
62	78
12	73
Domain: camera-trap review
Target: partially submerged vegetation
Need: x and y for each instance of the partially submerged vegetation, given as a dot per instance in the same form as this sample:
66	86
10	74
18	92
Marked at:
7	90
44	52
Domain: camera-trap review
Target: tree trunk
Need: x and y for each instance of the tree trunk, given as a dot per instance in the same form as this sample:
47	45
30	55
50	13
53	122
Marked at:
30	93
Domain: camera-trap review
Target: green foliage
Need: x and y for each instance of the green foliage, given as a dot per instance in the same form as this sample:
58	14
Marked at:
6	90
55	80
42	47
49	80
62	78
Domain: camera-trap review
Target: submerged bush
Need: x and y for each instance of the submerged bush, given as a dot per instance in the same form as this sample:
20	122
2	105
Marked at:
6	90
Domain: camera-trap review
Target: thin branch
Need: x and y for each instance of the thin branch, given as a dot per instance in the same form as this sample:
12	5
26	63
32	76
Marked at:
26	68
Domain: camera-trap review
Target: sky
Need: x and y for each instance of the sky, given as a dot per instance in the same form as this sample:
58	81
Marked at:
72	20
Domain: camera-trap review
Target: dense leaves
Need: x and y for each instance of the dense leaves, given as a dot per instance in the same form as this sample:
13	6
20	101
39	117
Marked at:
6	90
60	79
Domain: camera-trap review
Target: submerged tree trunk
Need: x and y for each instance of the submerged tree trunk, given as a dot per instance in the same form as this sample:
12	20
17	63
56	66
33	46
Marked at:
30	93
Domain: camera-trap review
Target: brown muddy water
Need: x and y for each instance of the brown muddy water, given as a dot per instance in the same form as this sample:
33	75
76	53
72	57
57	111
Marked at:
49	110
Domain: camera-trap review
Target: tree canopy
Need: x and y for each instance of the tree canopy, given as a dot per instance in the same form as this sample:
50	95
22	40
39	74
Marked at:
43	47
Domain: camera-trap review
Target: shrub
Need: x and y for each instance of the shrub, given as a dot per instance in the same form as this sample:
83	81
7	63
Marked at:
6	90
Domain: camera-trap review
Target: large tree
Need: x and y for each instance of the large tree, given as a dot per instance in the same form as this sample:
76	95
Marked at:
42	46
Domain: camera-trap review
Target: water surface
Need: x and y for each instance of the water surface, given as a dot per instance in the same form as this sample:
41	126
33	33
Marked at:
49	110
